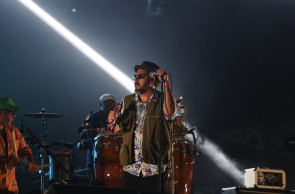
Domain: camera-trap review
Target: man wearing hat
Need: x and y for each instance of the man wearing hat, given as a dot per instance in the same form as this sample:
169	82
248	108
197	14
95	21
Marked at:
12	147
138	118
98	123
107	102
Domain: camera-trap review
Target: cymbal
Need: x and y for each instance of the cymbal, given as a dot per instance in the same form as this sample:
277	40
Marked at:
43	115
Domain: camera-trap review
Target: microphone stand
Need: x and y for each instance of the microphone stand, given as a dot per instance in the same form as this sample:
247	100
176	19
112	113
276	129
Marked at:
159	135
91	147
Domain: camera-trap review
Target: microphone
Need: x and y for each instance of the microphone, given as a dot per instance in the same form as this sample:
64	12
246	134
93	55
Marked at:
154	74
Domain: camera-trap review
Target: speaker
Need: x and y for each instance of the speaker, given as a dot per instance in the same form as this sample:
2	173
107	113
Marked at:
78	189
239	190
264	178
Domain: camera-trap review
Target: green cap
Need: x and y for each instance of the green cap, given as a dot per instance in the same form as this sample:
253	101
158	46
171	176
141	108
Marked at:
6	103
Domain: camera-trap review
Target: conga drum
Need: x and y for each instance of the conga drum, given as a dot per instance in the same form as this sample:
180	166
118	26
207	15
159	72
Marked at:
107	167
181	176
179	129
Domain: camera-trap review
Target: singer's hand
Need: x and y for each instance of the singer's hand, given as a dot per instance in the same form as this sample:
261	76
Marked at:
162	73
110	117
13	161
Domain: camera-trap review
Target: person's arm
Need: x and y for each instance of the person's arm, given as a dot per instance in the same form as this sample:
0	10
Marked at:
25	153
170	107
113	125
113	116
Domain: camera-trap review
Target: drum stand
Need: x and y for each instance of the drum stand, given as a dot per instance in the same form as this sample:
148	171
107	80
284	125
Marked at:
91	155
43	154
172	181
43	151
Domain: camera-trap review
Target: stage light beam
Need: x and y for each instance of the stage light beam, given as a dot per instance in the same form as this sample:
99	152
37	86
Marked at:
222	161
99	60
216	155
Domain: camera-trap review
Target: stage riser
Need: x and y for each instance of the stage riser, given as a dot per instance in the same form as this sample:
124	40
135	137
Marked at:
255	191
78	189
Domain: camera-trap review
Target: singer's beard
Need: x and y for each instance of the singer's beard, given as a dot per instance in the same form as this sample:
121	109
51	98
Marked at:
140	91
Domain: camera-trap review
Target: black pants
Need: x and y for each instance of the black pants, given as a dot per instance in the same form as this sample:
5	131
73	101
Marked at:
145	184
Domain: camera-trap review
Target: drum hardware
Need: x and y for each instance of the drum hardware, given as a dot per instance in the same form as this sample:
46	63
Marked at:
178	131
182	157
59	161
43	114
45	146
196	140
56	173
83	145
43	150
116	144
179	128
86	122
82	170
106	144
31	140
183	150
63	145
91	132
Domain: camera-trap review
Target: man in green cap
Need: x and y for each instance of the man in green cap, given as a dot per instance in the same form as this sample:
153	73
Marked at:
12	148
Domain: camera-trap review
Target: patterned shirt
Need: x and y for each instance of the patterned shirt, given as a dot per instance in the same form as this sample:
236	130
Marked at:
7	176
140	165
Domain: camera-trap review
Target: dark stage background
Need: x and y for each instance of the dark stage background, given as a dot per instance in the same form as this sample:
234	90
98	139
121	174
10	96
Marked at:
231	59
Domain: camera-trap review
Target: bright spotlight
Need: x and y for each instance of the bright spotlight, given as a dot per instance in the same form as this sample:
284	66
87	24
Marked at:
100	61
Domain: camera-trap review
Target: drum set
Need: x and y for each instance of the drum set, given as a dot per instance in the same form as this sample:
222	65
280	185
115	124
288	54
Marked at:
108	170
60	168
106	166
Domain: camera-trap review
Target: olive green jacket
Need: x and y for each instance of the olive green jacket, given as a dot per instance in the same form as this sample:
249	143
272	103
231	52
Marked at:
150	150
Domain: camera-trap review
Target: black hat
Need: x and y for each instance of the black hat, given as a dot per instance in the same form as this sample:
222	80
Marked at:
148	66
